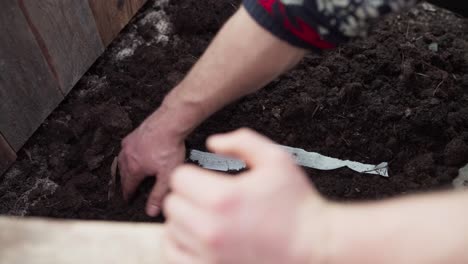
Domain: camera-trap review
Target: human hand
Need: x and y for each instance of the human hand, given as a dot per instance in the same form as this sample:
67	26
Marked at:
150	150
269	214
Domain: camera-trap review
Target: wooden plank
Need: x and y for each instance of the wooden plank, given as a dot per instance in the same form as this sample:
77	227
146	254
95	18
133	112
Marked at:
71	40
28	90
7	155
43	241
112	15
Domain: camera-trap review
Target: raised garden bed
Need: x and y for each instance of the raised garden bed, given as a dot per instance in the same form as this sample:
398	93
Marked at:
391	97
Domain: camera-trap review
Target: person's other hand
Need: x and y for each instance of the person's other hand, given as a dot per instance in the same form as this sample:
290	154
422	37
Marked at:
262	216
150	150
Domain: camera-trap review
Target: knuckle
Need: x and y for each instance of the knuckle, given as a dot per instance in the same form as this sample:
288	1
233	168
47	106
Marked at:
178	171
245	132
181	171
177	176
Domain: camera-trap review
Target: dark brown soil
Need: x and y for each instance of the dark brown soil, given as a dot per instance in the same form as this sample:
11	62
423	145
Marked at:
386	98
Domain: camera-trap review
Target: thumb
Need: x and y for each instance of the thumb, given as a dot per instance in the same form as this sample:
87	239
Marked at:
245	144
155	200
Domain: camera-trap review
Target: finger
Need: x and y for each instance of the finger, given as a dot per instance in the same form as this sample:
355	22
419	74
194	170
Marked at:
186	241
174	254
201	187
188	218
156	197
245	144
128	185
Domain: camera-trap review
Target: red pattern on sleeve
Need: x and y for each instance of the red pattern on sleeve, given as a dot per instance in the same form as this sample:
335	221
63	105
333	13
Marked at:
304	31
268	5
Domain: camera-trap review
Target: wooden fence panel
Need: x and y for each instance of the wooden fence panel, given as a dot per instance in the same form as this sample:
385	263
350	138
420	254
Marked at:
112	15
45	48
69	36
7	155
28	90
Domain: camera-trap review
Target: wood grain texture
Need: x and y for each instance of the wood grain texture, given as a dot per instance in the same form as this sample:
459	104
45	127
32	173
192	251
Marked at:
43	241
69	34
112	15
28	90
7	155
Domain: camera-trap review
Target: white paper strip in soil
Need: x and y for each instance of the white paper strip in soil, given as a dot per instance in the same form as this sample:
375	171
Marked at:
303	158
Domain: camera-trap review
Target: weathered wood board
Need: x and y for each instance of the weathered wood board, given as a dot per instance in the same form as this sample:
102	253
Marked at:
68	34
112	15
7	155
43	241
45	48
28	89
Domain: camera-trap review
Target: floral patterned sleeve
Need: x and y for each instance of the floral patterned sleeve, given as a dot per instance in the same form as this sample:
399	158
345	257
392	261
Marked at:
321	24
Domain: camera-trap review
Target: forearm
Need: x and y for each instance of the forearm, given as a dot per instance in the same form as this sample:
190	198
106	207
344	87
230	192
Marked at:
241	59
420	229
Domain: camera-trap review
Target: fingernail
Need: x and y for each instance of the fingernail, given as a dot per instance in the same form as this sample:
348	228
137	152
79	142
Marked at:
152	210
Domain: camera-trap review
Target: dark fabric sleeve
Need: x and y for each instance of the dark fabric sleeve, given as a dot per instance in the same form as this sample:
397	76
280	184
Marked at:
457	6
321	24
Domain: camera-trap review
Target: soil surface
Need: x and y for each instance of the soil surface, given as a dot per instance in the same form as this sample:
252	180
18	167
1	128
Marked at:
400	96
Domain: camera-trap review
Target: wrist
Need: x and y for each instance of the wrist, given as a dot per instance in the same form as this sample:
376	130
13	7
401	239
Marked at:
349	235
314	232
176	116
